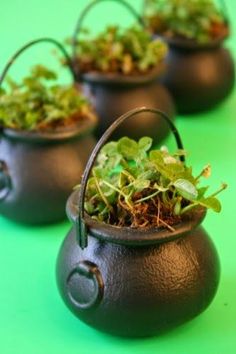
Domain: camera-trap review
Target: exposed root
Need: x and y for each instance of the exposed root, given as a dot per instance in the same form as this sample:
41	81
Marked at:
149	213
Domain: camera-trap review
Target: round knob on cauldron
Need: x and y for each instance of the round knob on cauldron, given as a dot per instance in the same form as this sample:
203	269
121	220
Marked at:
5	181
85	285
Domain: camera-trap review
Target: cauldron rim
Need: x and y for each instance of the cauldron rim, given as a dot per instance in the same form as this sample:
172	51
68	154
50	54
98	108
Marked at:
134	236
191	44
121	79
83	128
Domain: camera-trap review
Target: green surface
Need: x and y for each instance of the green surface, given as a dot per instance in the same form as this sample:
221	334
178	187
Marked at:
33	319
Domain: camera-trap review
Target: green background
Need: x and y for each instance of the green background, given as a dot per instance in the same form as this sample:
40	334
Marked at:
33	319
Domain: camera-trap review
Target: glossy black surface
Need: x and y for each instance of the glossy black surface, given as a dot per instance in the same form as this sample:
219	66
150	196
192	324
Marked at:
198	76
39	170
113	95
130	287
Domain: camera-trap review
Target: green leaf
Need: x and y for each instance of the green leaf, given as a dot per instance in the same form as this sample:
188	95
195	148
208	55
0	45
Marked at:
110	149
33	104
171	160
166	170
113	162
89	207
128	148
12	84
109	193
2	91
116	49
193	19
91	187
211	203
177	169
145	143
100	171
40	71
186	189
156	156
160	188
140	184
144	186
150	174
123	179
202	191
177	207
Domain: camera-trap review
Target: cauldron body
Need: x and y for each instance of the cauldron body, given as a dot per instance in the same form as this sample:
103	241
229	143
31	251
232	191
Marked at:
199	76
38	172
130	283
113	95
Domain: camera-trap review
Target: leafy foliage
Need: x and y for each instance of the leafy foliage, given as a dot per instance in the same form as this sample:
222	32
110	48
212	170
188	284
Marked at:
32	104
200	20
126	51
134	185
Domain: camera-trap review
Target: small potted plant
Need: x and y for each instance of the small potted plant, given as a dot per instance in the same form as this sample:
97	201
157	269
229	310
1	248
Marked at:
45	142
119	70
137	262
201	71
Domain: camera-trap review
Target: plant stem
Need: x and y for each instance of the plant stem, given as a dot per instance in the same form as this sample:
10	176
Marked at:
164	198
118	191
128	174
101	192
203	172
124	164
223	186
188	208
148	197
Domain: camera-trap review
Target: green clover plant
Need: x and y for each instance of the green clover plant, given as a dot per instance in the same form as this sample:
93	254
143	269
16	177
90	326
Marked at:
33	104
200	20
134	185
127	51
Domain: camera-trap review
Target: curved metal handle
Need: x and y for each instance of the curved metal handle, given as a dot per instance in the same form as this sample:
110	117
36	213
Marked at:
5	181
92	295
36	41
83	15
81	229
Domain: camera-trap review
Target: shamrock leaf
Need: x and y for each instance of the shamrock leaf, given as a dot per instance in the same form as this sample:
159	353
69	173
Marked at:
32	104
128	148
145	143
210	203
145	189
186	189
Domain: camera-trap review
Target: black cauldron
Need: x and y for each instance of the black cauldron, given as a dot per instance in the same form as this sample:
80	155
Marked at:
38	172
39	169
114	94
135	282
199	76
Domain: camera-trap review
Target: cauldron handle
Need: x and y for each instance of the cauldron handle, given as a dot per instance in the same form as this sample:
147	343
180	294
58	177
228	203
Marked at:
80	22
30	44
81	229
5	179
